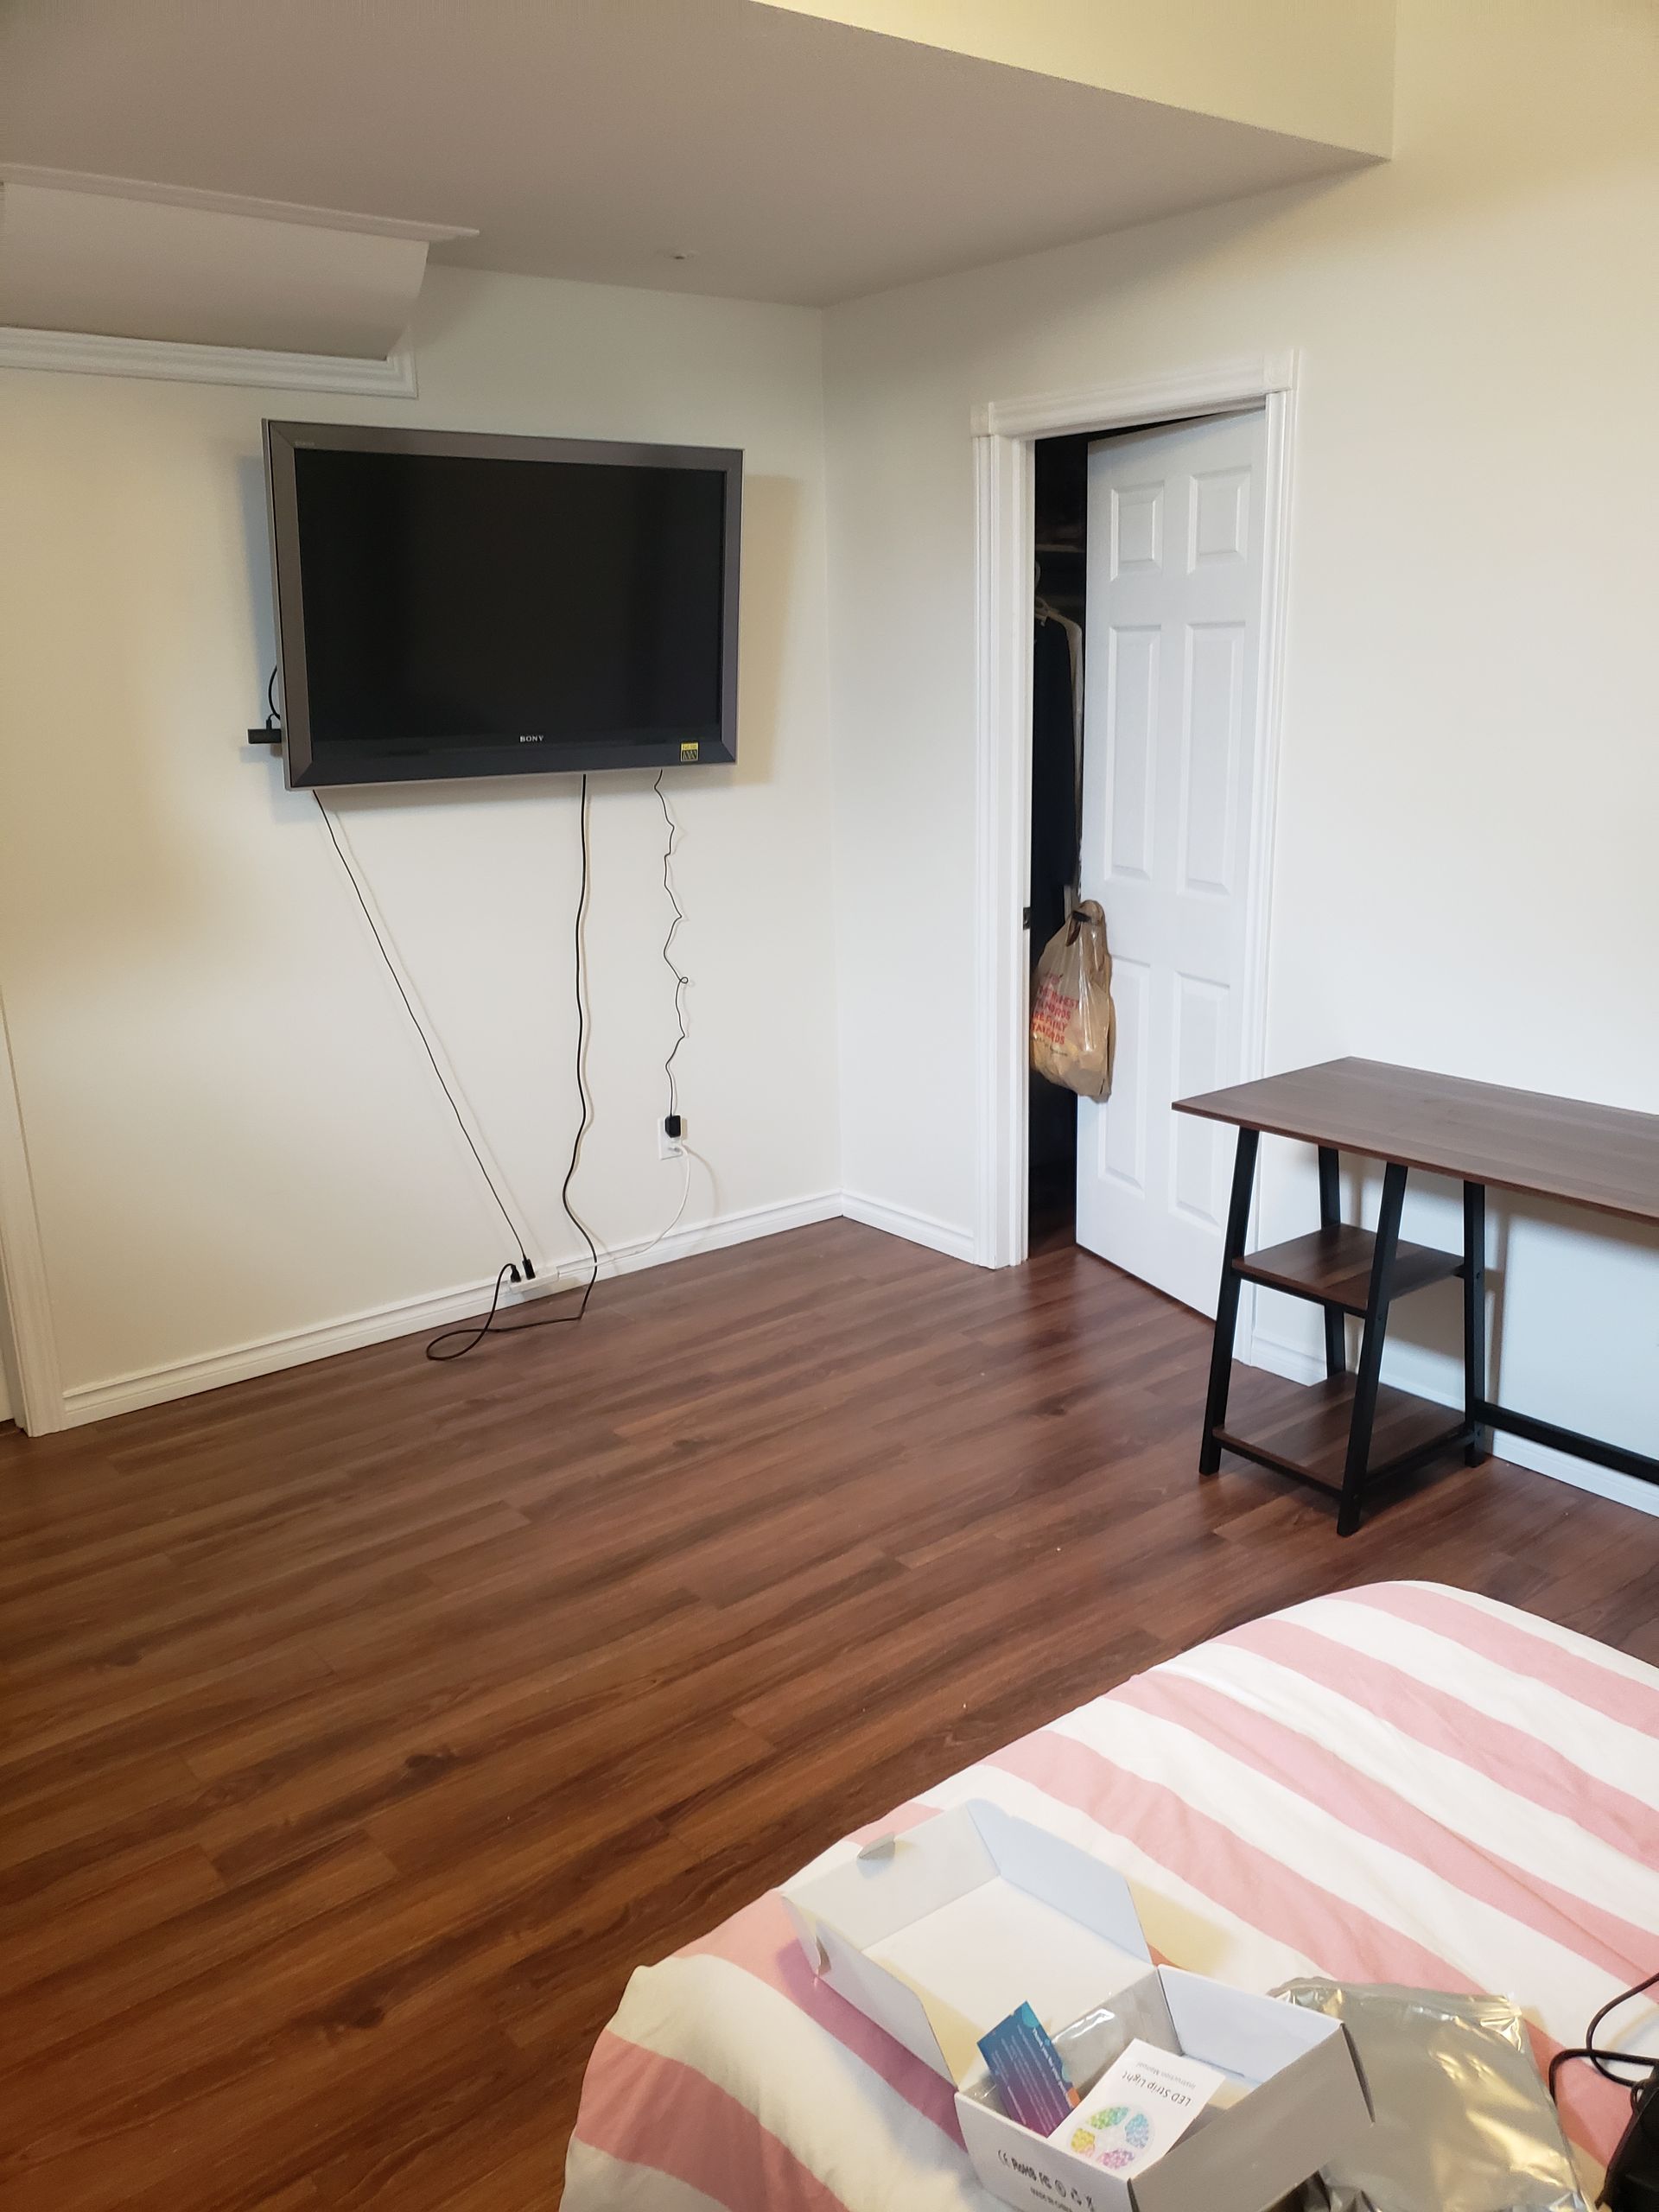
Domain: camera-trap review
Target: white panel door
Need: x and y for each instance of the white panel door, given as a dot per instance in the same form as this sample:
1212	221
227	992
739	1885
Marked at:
1169	755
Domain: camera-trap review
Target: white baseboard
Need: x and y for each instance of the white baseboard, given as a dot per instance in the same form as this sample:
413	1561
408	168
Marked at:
124	1394
716	1235
1582	1474
1288	1360
1300	1366
408	1317
914	1228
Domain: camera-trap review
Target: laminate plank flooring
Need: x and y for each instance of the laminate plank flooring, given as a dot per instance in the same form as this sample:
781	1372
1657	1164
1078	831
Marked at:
362	1726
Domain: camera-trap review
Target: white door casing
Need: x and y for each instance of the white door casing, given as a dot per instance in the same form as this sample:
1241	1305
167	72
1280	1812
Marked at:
1005	432
28	1350
1176	525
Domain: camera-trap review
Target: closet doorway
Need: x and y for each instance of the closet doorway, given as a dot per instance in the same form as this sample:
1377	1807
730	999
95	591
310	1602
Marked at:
1058	648
1148	547
1150	539
1175	597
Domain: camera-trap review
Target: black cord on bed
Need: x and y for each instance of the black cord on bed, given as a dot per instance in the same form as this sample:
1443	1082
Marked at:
1604	2061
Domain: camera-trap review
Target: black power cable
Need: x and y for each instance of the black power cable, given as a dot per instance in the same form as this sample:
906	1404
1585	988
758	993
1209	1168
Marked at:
680	978
420	1030
471	1334
1604	2061
583	1125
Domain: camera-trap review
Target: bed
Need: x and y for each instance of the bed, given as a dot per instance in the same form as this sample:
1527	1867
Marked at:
1404	1783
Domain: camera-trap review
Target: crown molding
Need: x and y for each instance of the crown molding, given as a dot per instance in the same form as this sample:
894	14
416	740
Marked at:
230	203
205	287
77	354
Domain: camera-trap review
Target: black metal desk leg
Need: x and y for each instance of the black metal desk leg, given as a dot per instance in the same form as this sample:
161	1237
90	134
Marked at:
1336	1328
1221	1351
1371	1347
1479	1445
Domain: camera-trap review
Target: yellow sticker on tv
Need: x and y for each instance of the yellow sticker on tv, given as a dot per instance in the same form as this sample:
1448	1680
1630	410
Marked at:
689	749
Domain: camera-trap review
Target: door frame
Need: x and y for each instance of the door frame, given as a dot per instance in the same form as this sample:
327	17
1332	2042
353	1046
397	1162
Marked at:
29	1346
1005	433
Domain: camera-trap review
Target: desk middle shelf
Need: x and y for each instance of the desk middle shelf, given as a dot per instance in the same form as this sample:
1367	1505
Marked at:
1332	1266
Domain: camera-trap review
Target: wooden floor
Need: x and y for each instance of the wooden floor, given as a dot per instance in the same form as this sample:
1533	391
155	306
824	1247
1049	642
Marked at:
362	1726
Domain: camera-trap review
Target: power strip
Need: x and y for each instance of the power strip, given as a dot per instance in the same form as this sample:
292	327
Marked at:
1633	2175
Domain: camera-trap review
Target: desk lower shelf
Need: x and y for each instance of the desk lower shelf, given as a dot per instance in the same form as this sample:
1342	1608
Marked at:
1301	1428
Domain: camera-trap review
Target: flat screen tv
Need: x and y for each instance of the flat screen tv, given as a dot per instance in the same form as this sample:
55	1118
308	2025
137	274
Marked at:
450	604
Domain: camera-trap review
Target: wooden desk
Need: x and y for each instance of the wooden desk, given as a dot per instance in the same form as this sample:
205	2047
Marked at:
1350	1431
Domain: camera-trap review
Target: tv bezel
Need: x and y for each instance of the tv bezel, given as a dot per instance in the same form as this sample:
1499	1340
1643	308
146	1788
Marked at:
306	766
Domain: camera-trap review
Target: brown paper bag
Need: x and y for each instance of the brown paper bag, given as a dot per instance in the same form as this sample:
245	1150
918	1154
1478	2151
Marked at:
1073	1022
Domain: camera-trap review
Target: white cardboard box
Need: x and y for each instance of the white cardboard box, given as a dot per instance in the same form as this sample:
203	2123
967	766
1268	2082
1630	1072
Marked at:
1308	2104
939	1933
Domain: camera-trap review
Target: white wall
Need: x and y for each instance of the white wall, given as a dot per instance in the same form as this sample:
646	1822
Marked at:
233	1135
1469	778
235	1140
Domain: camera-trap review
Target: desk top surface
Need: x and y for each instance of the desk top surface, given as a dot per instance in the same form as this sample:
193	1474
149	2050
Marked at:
1599	1156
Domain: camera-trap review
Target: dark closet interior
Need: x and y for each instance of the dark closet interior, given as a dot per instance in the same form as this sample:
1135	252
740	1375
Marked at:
1056	790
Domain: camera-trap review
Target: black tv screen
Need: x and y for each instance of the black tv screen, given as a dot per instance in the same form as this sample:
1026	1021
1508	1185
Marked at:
452	604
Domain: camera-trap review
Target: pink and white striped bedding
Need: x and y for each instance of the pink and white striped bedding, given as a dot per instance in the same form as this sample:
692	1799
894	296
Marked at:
1405	1783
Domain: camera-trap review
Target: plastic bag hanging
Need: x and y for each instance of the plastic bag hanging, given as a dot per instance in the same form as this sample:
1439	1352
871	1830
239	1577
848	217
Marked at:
1073	1022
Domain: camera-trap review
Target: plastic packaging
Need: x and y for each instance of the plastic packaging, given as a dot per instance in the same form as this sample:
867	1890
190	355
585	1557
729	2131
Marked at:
1087	2046
1073	1023
1095	2042
1463	2122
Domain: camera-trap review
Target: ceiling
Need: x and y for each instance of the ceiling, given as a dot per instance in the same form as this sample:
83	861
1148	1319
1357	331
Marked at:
789	158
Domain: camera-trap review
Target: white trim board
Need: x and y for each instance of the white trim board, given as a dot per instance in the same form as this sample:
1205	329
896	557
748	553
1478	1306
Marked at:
207	287
29	1345
408	1317
1005	432
300	212
715	1234
72	352
1297	1365
124	1394
914	1228
1211	389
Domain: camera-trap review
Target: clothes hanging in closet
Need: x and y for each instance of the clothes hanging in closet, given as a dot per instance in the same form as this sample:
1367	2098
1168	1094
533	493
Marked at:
1052	1117
1054	707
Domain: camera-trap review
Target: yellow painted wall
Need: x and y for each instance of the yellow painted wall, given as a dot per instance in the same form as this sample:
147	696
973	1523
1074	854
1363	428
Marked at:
1320	69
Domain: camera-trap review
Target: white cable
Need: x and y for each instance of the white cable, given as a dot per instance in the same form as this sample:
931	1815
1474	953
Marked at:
685	1193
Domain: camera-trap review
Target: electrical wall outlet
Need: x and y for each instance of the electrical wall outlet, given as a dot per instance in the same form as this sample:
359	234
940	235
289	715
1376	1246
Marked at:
669	1147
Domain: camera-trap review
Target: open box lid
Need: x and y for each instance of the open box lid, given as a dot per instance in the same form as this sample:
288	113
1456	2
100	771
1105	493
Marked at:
939	1933
1308	2103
